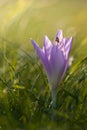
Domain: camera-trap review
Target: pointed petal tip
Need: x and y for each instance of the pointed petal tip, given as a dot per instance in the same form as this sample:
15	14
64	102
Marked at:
71	40
35	45
31	40
59	35
45	37
59	31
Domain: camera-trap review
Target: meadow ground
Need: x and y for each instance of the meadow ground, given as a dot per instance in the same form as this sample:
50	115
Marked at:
25	101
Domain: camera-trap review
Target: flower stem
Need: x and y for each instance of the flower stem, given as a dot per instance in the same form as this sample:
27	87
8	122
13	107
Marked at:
54	93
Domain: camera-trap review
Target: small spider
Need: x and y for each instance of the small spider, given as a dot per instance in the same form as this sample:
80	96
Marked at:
57	39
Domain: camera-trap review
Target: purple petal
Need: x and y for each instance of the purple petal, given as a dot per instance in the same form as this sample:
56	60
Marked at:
66	66
59	36
57	63
47	47
68	46
65	40
62	46
41	54
38	50
47	42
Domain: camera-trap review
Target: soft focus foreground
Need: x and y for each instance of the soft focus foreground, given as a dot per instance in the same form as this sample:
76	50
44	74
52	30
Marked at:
25	101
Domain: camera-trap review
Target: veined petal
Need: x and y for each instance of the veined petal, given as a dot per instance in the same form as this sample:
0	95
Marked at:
47	47
68	46
59	37
62	46
65	40
38	50
41	54
66	66
47	42
57	63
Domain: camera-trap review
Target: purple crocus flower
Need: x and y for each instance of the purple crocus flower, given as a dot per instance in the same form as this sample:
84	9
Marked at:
54	58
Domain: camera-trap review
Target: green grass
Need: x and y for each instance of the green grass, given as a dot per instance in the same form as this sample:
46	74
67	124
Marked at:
25	100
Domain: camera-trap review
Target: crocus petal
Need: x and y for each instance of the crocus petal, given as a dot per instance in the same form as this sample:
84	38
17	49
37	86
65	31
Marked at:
57	63
47	47
47	42
59	36
66	66
43	57
64	41
38	50
68	46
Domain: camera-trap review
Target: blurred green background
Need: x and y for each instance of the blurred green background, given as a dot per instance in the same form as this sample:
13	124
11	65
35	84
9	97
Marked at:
25	101
22	19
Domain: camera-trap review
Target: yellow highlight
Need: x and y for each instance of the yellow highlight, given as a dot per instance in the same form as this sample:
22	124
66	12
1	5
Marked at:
11	12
